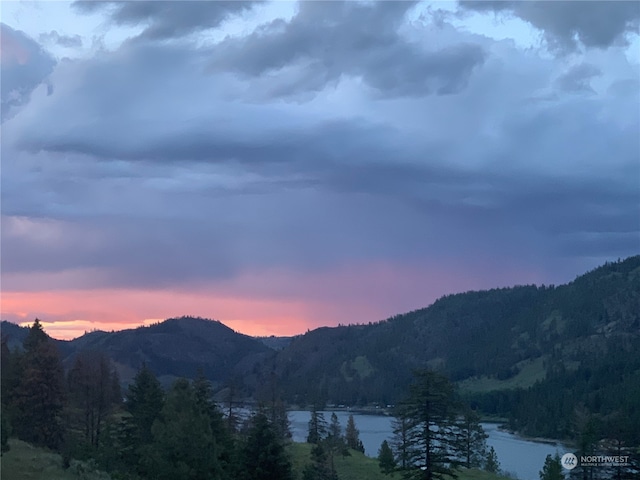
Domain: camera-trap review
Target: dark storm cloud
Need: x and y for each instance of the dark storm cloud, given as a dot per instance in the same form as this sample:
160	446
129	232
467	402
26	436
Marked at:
24	66
68	41
401	213
592	23
163	163
129	251
167	19
578	78
279	149
326	40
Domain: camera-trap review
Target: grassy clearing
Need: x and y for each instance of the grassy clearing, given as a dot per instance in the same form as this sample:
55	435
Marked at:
530	372
362	366
360	467
357	466
26	462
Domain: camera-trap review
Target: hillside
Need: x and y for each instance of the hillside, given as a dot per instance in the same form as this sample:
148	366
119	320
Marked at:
14	334
357	466
26	462
501	339
177	347
531	353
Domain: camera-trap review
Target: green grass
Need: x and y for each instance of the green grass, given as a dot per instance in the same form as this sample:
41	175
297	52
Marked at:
530	372
26	462
358	466
360	365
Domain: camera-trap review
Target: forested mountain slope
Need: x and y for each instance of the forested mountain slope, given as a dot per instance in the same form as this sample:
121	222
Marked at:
177	347
531	353
499	339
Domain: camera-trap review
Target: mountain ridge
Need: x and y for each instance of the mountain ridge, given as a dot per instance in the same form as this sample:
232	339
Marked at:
503	346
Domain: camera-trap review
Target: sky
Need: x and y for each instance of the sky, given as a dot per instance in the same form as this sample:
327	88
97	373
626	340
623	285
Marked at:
282	166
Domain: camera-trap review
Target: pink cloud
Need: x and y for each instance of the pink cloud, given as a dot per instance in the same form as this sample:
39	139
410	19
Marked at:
266	303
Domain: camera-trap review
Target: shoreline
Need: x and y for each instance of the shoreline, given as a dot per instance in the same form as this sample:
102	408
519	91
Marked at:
543	440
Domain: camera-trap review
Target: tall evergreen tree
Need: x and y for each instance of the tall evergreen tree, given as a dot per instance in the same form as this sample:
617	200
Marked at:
93	392
430	411
144	401
39	397
492	464
335	442
335	429
35	337
269	396
352	435
471	445
552	469
183	445
317	427
233	420
319	468
404	450
264	456
224	444
385	458
8	384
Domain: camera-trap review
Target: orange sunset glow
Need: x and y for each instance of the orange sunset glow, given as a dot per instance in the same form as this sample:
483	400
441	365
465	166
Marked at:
69	314
253	304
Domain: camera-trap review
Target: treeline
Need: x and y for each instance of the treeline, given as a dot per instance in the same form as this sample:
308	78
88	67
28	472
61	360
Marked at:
435	436
591	395
147	433
328	442
435	433
585	335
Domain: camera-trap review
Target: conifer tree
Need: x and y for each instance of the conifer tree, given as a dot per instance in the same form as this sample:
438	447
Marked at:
39	397
183	445
352	435
224	444
552	469
7	384
335	429
93	392
471	445
264	456
492	464
335	442
401	442
385	458
317	427
429	411
144	401
270	397
319	468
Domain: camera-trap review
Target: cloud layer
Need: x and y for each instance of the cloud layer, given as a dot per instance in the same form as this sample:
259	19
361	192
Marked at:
342	153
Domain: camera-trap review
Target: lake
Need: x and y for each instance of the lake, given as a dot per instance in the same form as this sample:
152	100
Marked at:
521	457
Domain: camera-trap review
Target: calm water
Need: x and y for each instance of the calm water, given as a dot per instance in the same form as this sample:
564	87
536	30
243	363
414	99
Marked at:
523	458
